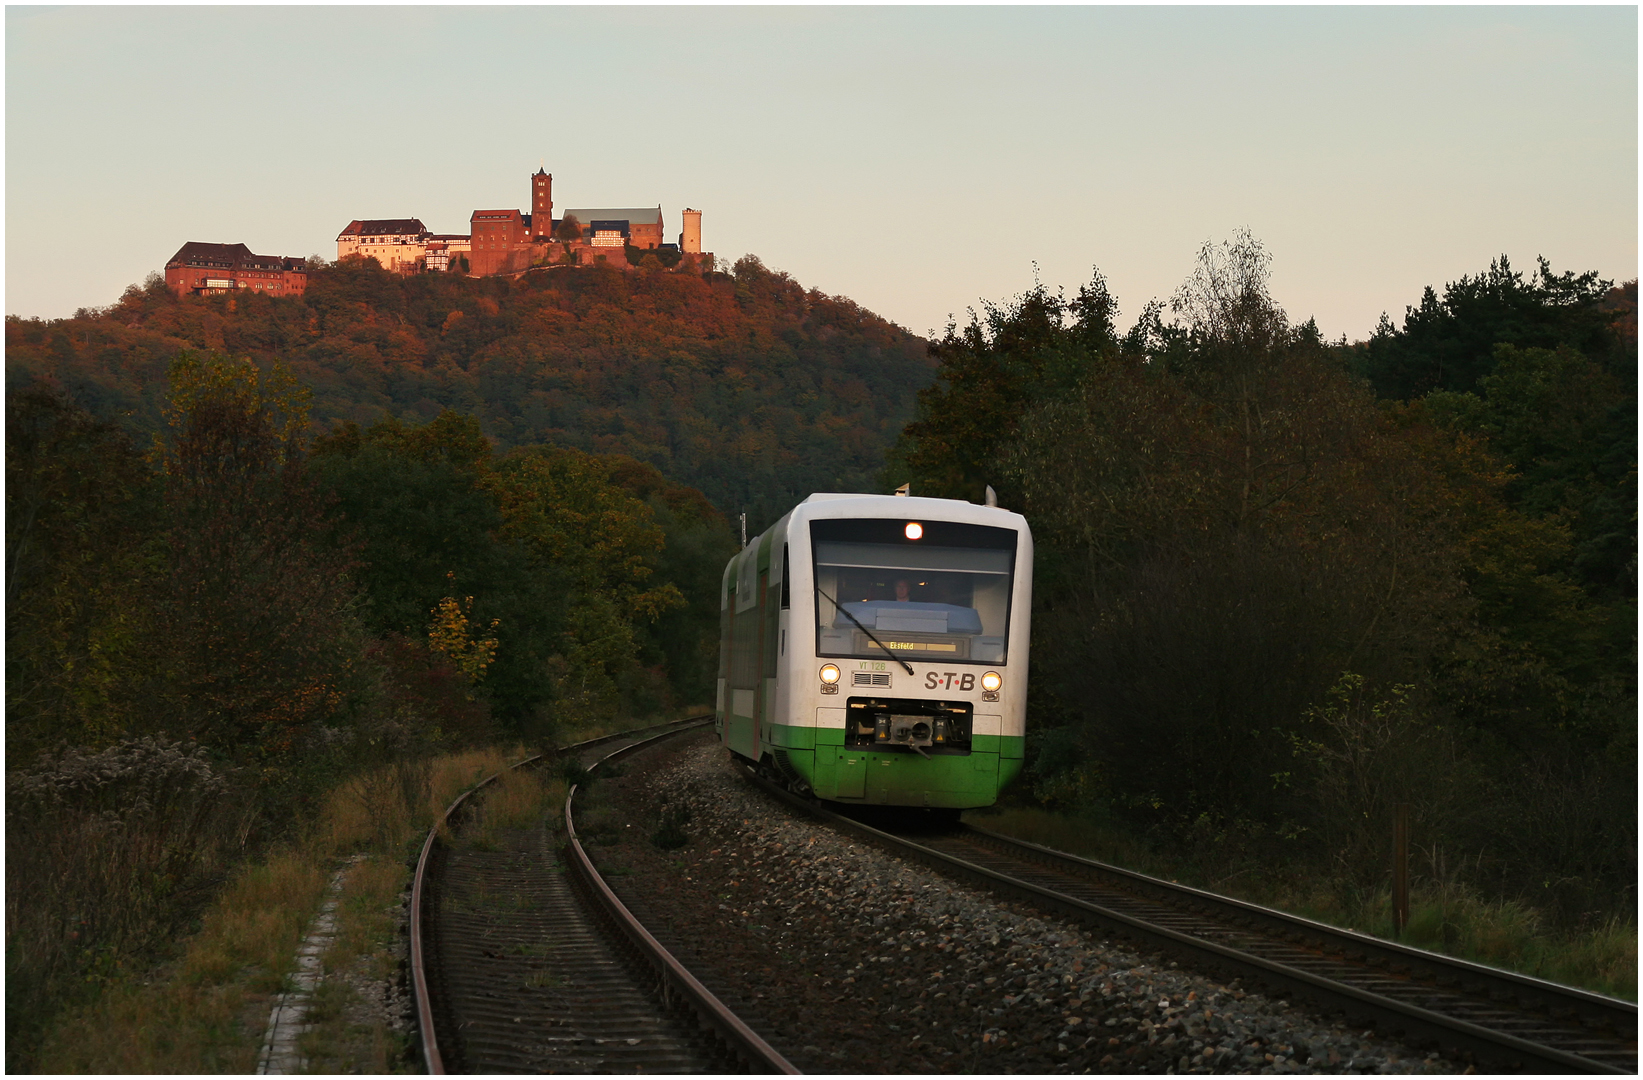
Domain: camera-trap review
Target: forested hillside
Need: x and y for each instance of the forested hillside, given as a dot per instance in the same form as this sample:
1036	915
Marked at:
742	385
1284	585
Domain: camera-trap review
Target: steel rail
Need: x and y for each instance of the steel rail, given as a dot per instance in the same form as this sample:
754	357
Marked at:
1597	1009
432	1058
712	1013
1414	1021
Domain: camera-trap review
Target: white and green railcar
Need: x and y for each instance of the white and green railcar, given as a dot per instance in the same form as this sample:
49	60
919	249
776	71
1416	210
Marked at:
873	650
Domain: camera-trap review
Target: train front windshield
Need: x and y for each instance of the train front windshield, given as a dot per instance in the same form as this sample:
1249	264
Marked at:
927	590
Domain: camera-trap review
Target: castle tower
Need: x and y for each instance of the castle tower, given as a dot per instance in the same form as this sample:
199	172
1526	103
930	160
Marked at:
691	239
542	204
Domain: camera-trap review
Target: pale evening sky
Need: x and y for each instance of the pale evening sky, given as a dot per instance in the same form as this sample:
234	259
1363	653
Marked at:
919	160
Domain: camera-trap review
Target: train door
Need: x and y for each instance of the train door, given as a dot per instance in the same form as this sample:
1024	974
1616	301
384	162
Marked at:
778	688
761	698
743	659
727	608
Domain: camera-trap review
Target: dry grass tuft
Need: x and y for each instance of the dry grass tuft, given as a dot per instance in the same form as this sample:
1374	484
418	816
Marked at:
518	798
457	773
196	1017
381	809
392	807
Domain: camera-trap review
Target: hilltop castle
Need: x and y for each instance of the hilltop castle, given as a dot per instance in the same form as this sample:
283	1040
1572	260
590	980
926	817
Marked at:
498	242
510	242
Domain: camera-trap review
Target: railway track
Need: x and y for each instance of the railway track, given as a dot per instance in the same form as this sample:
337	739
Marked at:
1499	1019
523	959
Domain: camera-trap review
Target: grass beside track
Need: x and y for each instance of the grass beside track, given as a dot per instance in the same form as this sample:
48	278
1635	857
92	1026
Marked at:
206	1009
1444	916
193	1014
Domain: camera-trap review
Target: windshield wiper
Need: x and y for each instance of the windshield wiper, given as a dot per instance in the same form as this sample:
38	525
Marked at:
866	631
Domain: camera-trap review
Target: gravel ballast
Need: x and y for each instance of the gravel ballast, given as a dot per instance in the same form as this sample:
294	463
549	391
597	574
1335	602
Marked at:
850	960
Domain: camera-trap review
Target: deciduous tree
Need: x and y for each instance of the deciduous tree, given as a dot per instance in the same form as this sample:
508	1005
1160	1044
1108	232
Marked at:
256	614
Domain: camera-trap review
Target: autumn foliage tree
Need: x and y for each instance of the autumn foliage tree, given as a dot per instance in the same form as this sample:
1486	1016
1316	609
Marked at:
255	613
186	594
560	505
453	634
553	550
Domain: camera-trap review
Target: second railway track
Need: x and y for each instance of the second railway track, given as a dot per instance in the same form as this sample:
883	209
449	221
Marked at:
1512	1019
1501	1019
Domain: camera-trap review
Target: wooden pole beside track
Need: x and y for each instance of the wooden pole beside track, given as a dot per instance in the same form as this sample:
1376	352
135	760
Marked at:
1400	868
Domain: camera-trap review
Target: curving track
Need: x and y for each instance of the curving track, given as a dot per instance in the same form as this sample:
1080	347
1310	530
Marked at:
525	962
1500	1018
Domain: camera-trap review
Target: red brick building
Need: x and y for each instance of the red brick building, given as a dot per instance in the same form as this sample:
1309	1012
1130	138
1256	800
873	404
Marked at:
209	269
496	236
541	215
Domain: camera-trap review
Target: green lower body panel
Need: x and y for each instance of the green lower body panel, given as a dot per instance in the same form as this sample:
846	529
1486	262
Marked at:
739	735
891	777
1012	749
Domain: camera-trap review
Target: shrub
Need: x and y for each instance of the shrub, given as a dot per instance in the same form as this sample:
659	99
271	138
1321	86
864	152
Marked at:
108	854
670	833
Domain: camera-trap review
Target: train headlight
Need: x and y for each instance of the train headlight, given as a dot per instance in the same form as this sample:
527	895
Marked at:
830	674
991	681
914	530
